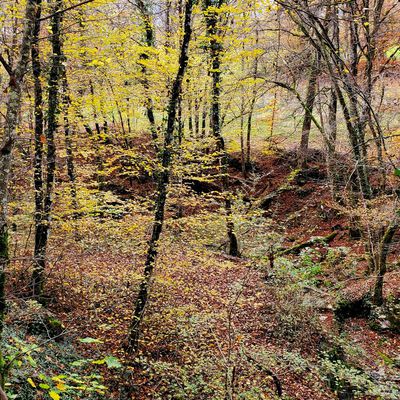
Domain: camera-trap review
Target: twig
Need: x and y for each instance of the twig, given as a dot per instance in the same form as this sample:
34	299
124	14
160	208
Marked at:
66	9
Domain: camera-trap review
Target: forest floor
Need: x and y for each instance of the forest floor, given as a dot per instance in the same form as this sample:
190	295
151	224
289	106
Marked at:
218	324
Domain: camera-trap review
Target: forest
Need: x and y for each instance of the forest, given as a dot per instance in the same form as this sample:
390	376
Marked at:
199	199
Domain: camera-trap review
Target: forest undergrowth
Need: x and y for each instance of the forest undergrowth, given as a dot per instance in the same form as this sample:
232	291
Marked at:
263	325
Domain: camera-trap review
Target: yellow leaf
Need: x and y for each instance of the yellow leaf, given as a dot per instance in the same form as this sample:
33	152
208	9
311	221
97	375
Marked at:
30	381
61	386
54	395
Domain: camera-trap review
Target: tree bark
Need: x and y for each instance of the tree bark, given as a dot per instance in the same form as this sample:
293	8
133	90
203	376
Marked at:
251	111
162	186
13	105
216	49
149	40
381	267
42	229
310	99
68	141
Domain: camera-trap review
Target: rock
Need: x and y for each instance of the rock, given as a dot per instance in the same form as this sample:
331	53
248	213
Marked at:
386	317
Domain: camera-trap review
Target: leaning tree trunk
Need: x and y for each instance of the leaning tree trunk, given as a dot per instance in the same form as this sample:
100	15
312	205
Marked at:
216	49
42	229
162	186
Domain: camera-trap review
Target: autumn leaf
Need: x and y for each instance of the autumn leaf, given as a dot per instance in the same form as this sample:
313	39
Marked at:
30	381
54	395
90	340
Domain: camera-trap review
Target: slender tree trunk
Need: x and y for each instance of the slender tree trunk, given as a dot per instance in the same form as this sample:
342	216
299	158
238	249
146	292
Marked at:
386	241
162	186
248	136
251	110
121	118
128	116
331	134
40	139
68	142
197	116
242	148
181	125
96	122
310	99
204	113
168	24
215	53
13	104
42	230
96	138
276	60
190	114
149	40
242	112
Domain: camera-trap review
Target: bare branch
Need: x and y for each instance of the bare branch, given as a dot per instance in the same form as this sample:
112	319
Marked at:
66	9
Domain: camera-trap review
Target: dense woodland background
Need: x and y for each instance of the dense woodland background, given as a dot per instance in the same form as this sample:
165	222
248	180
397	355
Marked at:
199	199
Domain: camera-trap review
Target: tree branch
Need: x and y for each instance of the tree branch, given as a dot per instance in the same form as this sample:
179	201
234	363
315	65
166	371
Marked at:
6	65
66	9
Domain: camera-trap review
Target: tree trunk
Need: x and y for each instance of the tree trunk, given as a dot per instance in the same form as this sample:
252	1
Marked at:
190	114
197	116
377	297
68	143
251	110
13	105
248	136
204	113
162	186
40	139
331	134
242	149
215	53
42	229
310	99
149	40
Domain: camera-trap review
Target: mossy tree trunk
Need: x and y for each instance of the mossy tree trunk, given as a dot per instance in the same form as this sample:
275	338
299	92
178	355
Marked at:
42	226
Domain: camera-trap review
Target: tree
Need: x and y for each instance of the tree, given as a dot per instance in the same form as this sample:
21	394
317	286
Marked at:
44	195
216	48
9	137
162	186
